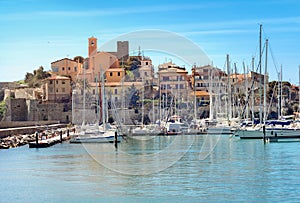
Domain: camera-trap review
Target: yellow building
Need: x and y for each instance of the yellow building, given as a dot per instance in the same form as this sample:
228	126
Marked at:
57	89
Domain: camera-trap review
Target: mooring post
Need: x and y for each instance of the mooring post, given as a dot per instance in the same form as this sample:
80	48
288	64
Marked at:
36	137
60	133
116	139
264	132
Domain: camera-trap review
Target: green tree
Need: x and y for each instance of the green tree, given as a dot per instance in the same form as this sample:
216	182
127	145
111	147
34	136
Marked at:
34	80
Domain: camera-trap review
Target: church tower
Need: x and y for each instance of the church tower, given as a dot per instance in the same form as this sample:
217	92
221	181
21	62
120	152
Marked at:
92	46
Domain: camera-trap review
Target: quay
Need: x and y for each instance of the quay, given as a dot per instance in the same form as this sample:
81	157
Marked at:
42	141
5	132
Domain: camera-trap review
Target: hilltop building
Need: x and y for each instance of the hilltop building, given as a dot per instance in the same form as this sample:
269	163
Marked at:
68	67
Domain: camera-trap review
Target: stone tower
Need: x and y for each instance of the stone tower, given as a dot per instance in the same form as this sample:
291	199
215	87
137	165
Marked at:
122	50
92	46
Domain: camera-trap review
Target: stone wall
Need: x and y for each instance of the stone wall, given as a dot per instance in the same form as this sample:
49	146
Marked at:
15	124
34	110
16	110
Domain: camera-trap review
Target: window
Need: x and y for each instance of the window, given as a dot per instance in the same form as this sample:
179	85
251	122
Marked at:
63	89
116	99
75	69
63	68
56	81
51	82
146	74
181	86
111	74
50	89
165	78
63	82
116	91
147	63
69	68
94	92
57	90
119	74
55	69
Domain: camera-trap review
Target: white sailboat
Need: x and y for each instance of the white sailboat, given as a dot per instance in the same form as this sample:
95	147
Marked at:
94	133
279	129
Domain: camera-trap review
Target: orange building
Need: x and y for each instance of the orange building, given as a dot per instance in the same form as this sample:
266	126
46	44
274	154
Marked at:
99	62
67	67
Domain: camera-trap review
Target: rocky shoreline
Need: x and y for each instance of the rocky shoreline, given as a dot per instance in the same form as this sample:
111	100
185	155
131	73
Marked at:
20	140
16	141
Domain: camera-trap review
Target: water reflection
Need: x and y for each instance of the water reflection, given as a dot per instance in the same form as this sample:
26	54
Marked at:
235	170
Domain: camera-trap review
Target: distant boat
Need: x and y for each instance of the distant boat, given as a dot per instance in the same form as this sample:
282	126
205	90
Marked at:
280	131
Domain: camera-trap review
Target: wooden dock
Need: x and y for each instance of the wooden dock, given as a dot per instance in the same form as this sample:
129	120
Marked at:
43	141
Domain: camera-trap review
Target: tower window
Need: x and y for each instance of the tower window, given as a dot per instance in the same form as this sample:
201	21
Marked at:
111	74
119	74
63	68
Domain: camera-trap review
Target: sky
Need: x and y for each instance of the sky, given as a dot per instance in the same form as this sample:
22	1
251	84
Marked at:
35	33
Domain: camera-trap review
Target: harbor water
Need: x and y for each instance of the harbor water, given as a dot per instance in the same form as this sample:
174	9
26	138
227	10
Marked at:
185	168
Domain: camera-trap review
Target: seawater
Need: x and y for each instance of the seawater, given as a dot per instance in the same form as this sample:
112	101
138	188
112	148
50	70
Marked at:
185	168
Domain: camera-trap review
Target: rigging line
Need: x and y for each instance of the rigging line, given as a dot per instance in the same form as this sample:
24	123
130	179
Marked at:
273	59
247	101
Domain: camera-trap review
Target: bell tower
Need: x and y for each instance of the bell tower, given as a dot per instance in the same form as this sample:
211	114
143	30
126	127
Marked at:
92	46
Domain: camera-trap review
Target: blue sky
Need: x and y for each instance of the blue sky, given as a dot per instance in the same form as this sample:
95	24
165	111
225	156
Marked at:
38	32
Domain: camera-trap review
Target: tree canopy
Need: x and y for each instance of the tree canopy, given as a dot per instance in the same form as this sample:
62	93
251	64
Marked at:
34	79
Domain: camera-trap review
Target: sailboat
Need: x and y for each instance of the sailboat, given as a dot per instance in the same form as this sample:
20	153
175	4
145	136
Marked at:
278	129
95	133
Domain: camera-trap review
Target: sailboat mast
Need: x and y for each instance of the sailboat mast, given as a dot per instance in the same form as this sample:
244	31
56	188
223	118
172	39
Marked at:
84	92
102	97
195	99
229	88
211	113
252	91
265	83
281	89
278	97
260	76
123	93
299	94
159	97
246	88
97	101
143	110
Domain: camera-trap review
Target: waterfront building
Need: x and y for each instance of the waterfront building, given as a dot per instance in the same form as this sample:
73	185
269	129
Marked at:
173	80
56	89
